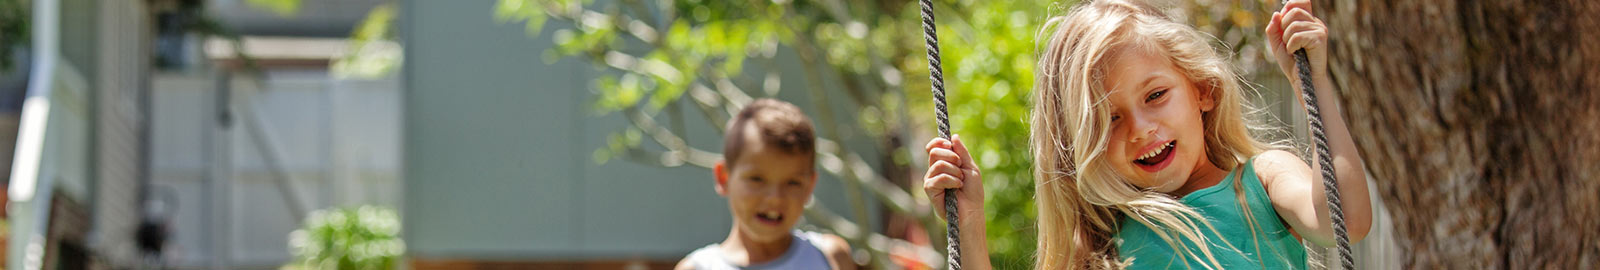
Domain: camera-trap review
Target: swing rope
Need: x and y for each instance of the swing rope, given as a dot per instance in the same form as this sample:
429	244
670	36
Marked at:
1325	159
936	75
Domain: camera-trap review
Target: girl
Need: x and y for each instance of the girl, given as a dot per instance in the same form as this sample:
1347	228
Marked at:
1144	157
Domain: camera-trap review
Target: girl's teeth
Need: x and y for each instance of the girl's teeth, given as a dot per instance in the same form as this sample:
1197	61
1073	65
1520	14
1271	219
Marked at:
1153	153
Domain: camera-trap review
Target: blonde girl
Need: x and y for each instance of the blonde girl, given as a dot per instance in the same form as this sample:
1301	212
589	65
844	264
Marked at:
1144	158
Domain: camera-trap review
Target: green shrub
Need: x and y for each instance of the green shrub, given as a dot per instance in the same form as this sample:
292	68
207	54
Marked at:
359	238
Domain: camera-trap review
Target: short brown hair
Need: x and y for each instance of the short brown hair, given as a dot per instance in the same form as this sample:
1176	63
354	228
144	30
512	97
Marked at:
777	123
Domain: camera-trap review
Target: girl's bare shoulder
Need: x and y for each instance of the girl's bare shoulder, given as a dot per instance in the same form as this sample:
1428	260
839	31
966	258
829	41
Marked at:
1274	166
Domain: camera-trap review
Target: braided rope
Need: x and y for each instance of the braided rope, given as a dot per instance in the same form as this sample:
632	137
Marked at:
941	112
1325	159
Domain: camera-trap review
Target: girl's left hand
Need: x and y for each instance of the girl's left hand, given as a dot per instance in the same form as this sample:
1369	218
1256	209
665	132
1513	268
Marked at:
1295	28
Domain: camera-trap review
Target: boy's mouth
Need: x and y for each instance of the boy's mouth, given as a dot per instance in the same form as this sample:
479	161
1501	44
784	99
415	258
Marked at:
770	217
1156	159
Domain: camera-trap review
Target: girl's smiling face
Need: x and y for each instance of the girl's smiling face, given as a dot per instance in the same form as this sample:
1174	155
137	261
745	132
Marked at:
1157	133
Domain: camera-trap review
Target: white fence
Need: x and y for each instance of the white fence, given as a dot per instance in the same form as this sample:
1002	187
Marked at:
244	175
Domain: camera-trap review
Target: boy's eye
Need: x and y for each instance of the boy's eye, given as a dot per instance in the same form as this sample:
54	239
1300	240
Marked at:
794	183
1156	94
755	179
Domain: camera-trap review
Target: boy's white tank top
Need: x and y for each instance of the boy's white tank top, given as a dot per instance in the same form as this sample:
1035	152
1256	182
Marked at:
803	254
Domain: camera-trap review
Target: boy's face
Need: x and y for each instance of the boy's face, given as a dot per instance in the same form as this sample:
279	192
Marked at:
1157	133
767	189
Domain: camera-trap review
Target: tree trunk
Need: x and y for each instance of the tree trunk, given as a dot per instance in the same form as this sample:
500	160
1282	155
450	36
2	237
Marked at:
1478	120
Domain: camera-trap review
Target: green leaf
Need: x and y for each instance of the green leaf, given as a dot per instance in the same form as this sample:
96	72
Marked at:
283	8
372	52
361	237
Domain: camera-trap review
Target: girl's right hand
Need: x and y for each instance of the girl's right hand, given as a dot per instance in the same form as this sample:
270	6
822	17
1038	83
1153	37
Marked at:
950	166
1295	28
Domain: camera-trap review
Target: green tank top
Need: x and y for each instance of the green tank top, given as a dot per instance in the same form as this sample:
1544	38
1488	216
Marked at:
1269	246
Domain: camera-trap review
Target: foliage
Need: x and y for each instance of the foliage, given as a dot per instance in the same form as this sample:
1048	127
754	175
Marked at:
365	237
372	53
283	8
1238	26
992	76
14	29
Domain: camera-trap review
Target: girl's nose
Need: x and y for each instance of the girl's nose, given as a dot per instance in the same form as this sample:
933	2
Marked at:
1143	129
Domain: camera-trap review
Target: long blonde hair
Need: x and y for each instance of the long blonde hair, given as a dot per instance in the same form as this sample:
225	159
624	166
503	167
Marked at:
1080	197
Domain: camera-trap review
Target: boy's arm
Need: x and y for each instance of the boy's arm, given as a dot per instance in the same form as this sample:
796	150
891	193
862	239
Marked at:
838	253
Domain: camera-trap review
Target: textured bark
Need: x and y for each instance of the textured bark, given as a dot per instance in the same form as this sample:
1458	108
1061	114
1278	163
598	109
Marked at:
1478	119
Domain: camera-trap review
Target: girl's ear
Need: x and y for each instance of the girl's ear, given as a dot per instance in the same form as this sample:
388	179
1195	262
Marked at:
1208	97
721	172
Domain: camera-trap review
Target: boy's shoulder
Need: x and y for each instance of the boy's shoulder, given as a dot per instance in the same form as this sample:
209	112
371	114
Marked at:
835	248
810	250
703	258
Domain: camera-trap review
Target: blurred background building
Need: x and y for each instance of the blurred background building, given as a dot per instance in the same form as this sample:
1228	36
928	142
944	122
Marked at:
151	117
223	124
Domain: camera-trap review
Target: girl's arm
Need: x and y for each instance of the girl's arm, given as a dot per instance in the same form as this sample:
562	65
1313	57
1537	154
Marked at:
1288	179
951	166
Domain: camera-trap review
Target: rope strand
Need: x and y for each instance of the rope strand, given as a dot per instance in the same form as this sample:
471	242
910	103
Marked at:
1325	159
936	75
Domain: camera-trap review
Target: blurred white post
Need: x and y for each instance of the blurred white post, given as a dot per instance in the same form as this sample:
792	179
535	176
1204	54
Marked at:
30	193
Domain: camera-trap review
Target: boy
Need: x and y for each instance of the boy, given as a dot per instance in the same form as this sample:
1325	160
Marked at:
767	173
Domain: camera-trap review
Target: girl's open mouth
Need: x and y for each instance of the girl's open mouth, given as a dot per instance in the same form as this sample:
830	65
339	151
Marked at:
1157	159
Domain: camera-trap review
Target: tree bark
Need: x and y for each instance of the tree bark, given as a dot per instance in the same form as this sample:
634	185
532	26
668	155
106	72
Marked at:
1477	120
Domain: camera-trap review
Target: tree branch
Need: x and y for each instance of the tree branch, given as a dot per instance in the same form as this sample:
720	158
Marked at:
881	245
674	143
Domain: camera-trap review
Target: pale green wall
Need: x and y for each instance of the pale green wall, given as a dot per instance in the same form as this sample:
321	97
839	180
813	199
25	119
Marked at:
498	152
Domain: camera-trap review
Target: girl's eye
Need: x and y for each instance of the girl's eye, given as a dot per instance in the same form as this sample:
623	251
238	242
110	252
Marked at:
1114	118
794	183
1155	95
755	179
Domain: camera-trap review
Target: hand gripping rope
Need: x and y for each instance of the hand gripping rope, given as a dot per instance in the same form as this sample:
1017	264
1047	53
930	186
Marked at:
1335	209
936	75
